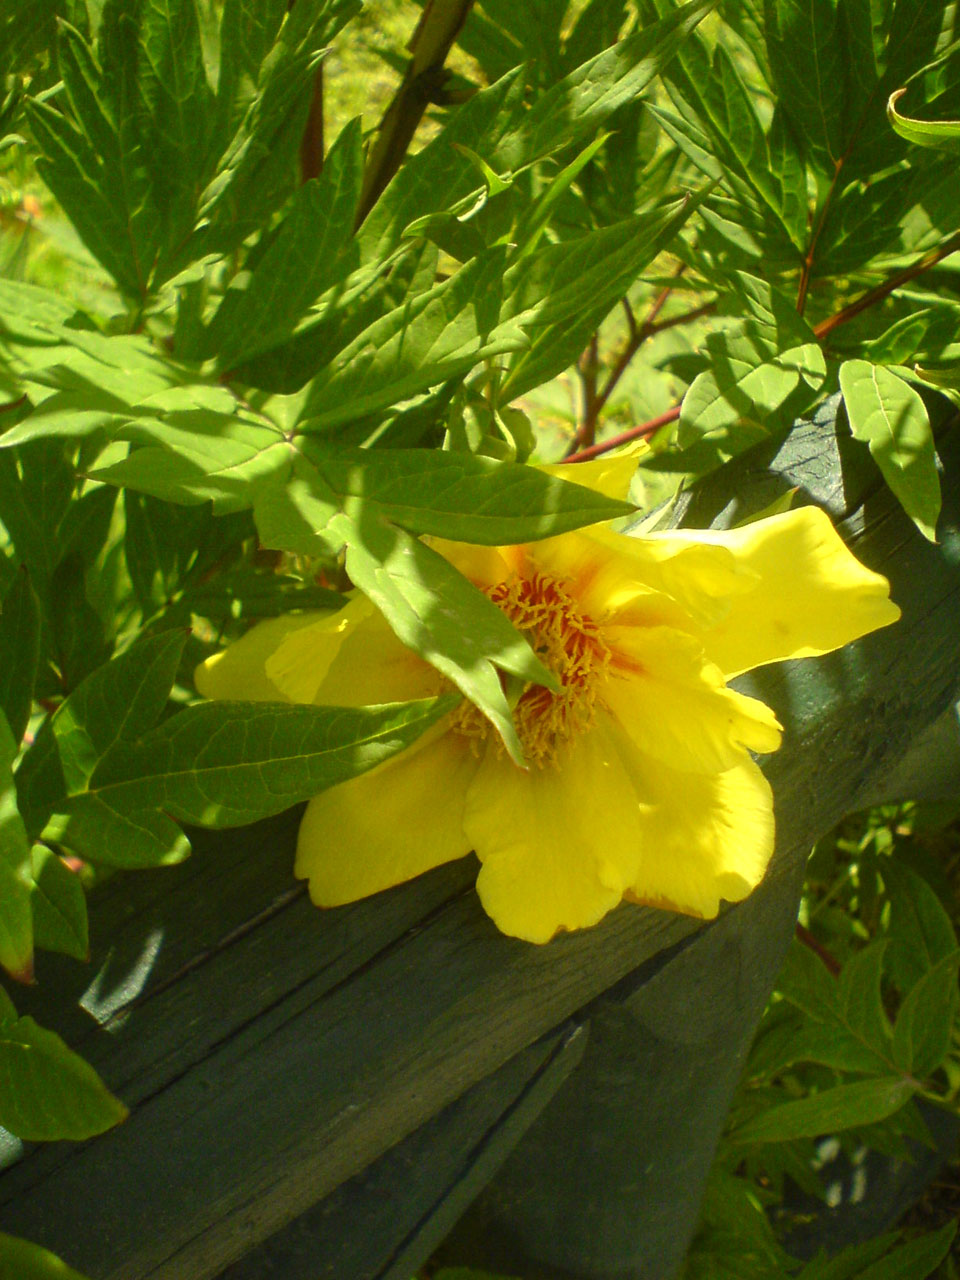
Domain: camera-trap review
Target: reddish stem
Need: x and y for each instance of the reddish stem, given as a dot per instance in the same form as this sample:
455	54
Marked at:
826	955
634	433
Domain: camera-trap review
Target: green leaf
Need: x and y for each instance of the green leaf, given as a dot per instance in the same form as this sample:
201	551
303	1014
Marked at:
308	255
890	416
432	336
454	495
36	483
118	703
942	134
16	924
923	1031
19	653
806	59
27	1261
560	294
915	1260
59	906
49	1092
435	611
224	764
847	1106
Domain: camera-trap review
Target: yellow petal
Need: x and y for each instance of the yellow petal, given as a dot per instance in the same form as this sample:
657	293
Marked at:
675	706
349	659
484	566
705	837
609	475
808	593
609	571
239	672
558	845
388	825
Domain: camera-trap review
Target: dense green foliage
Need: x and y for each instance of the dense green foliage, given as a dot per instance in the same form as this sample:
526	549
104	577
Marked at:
243	368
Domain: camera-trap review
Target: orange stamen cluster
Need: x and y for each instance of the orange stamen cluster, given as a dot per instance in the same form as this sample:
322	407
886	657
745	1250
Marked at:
570	645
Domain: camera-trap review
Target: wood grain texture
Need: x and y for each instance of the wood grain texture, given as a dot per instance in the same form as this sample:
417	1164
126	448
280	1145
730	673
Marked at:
271	1053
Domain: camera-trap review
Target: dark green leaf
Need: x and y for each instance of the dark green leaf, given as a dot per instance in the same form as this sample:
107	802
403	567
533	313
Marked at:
915	1260
59	905
19	653
50	1092
847	1106
806	59
890	416
923	1031
16	928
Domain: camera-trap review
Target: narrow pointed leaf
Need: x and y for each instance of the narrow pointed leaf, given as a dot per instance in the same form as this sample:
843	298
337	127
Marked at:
847	1106
19	653
16	923
923	1031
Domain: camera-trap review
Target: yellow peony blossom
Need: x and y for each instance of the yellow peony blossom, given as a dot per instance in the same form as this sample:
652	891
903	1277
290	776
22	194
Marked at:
641	784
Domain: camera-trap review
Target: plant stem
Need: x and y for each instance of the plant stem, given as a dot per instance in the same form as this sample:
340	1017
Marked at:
633	433
815	945
952	245
436	31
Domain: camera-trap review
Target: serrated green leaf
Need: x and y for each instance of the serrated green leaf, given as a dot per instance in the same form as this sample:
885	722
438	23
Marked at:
224	764
19	653
886	413
435	611
59	905
942	134
36	483
923	1031
16	926
49	1092
847	1106
27	1261
309	254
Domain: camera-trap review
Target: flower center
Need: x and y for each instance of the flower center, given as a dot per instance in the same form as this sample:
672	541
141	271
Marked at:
570	645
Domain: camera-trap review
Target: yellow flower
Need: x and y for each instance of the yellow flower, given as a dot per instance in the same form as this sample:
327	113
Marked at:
640	785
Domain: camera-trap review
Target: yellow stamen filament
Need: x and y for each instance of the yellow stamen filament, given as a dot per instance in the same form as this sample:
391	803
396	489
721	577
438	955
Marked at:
570	645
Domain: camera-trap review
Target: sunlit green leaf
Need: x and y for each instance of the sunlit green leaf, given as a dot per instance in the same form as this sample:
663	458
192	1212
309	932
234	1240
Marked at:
943	134
891	418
